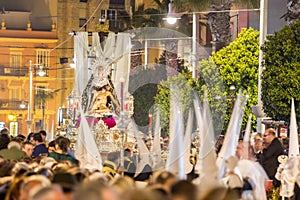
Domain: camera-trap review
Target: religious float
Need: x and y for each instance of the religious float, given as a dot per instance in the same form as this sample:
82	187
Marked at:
106	109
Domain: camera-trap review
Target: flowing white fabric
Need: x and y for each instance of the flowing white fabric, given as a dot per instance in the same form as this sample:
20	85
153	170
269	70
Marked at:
175	160
232	134
51	133
142	148
287	174
95	39
188	167
122	63
206	162
257	176
293	141
156	150
246	139
80	53
87	151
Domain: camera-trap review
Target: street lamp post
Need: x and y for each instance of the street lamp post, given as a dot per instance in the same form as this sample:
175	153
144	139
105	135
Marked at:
171	19
29	121
262	38
41	73
195	43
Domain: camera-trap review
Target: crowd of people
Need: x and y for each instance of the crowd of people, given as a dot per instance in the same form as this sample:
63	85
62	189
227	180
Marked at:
32	168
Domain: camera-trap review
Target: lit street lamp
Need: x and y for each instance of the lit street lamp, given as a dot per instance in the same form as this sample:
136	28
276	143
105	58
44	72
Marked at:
171	16
172	19
29	120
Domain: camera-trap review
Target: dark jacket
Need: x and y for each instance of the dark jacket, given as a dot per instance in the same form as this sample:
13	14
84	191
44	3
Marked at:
40	150
129	167
62	157
269	157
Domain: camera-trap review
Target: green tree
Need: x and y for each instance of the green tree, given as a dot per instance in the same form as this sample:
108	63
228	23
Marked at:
143	87
238	66
281	75
185	86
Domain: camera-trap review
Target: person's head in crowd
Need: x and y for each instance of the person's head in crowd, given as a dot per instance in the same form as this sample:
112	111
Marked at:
67	182
51	146
146	194
19	138
27	147
60	167
79	173
20	169
49	193
30	137
4	131
6	167
37	139
32	184
28	160
285	143
184	190
97	175
221	193
48	162
219	143
44	134
127	153
165	179
14	144
258	143
95	190
123	184
114	157
162	192
239	152
45	171
269	136
13	191
4	141
62	145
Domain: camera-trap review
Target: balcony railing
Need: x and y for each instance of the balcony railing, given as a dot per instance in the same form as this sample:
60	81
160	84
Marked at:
13	71
8	104
18	71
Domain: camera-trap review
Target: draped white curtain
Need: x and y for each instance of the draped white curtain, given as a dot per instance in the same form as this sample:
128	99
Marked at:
81	56
122	62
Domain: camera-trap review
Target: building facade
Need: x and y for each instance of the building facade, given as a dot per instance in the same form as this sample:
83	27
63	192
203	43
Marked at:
25	49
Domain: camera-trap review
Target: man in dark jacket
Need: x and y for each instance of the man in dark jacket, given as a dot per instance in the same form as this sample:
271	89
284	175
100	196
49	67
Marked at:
40	148
270	154
129	166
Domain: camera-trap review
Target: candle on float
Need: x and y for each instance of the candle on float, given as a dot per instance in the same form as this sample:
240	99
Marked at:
150	122
59	115
74	114
122	94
